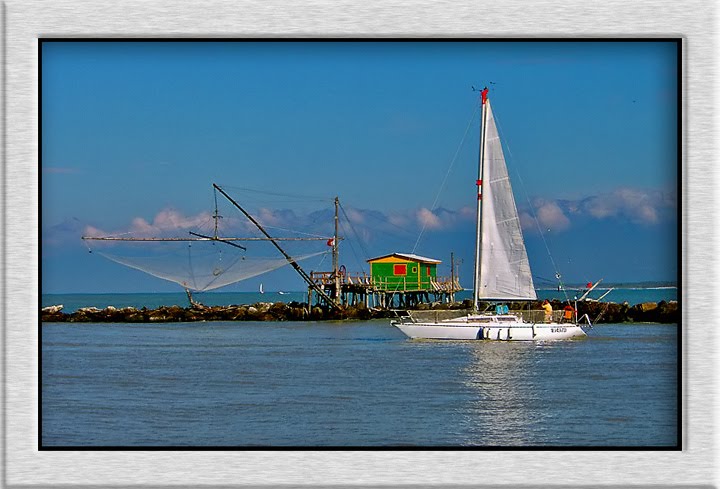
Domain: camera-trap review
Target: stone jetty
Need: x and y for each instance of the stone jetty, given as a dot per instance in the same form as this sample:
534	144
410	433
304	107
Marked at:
598	312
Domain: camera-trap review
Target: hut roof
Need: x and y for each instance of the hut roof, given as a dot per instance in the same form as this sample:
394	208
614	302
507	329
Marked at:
407	256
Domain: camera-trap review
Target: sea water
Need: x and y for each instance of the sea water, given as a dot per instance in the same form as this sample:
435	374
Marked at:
352	384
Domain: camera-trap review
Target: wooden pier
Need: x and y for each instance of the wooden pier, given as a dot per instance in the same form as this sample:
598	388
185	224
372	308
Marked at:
379	292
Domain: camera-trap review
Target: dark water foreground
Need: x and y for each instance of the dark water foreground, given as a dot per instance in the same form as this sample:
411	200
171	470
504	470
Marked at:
598	312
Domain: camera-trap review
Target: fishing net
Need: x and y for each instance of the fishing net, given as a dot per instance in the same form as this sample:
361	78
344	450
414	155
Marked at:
215	249
202	266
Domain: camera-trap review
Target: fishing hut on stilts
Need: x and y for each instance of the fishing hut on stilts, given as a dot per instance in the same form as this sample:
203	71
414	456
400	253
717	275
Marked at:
401	280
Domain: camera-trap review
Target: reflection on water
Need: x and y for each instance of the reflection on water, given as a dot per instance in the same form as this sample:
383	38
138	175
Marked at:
506	400
621	392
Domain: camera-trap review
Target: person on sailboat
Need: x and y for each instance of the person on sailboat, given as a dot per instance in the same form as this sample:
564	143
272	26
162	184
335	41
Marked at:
548	310
568	313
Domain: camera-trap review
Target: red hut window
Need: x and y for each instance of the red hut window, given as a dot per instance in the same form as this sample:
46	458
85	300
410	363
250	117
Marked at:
428	271
400	269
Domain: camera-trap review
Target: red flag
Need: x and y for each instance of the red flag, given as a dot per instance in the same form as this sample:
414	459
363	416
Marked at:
331	242
484	94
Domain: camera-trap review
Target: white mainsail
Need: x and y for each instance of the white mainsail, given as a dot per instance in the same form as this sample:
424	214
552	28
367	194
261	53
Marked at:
504	271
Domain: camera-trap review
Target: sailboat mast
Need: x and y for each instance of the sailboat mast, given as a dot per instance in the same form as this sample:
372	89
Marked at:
478	230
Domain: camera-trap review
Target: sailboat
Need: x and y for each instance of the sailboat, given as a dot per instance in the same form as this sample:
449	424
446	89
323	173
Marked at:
502	269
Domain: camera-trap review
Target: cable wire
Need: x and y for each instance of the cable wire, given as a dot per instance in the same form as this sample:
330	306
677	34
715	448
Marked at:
447	173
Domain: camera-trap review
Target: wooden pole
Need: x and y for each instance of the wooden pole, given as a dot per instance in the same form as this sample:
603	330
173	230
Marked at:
452	277
336	264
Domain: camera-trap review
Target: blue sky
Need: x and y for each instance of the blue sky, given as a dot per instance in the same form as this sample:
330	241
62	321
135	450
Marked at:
135	130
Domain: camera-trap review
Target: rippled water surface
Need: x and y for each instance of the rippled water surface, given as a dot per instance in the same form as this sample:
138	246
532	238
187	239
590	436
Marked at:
356	383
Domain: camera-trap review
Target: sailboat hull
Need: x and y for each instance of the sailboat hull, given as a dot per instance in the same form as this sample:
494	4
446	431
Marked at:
478	331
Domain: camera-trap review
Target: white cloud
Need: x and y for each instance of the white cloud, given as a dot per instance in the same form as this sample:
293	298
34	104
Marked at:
399	220
427	219
170	219
527	223
646	214
355	216
552	216
600	208
140	225
93	231
639	206
268	217
165	222
467	212
636	205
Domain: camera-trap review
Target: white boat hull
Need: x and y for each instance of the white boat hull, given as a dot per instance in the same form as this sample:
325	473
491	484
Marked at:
488	331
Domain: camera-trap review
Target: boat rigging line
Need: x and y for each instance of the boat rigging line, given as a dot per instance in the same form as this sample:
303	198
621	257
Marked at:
306	198
357	235
359	261
447	174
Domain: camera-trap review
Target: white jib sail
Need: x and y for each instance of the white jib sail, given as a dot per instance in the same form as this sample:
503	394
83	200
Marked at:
504	266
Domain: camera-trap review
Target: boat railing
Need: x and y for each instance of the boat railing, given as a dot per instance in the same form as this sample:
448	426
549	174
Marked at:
586	319
438	315
328	278
413	284
538	316
528	316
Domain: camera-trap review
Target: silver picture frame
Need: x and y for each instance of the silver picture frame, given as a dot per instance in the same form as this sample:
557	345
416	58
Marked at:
25	22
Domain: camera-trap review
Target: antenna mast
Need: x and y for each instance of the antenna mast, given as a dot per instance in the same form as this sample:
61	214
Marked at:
216	216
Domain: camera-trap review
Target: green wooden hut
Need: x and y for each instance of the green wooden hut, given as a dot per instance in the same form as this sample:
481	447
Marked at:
403	272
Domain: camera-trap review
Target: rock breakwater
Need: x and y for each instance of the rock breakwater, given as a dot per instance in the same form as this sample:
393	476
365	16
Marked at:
598	312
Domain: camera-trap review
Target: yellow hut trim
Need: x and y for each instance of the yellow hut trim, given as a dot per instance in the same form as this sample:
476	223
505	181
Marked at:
403	257
390	259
